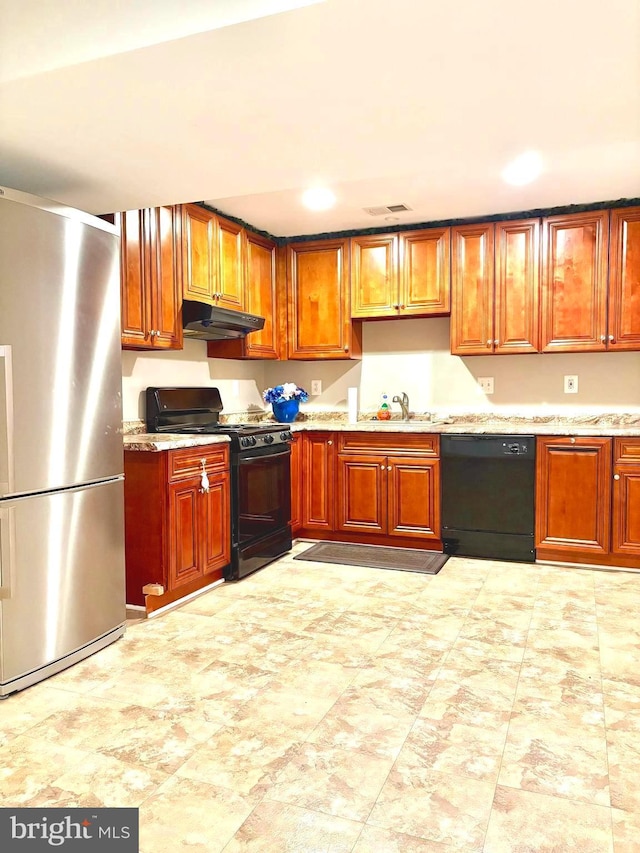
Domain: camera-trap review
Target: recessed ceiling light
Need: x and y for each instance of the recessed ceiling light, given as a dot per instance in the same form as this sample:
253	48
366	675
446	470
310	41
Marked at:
524	169
318	198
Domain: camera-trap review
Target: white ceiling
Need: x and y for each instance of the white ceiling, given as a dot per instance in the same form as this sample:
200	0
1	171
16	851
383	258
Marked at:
110	106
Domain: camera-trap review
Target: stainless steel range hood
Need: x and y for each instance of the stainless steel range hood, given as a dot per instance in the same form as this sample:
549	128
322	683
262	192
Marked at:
210	323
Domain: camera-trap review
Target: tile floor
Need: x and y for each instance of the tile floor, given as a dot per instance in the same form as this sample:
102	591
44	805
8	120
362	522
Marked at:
323	709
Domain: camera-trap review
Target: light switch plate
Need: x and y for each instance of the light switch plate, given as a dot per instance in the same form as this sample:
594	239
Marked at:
316	386
571	384
486	384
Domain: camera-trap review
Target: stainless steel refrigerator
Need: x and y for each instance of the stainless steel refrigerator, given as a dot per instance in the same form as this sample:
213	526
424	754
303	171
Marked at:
61	459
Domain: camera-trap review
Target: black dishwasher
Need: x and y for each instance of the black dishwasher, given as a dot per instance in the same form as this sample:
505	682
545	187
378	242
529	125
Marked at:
488	491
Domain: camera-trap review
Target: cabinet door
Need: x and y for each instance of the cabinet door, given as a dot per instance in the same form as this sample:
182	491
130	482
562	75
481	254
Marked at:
573	494
574	282
624	280
472	278
374	276
199	253
517	251
261	296
231	265
184	528
362	494
165	269
425	272
414	497
296	482
318	500
319	318
215	526
134	280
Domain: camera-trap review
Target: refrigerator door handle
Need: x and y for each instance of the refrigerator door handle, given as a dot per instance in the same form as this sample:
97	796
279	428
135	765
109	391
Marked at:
6	421
7	540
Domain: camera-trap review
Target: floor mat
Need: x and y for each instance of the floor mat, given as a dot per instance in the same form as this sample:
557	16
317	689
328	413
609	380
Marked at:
376	557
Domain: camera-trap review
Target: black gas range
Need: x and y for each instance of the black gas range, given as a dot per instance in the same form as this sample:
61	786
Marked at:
260	471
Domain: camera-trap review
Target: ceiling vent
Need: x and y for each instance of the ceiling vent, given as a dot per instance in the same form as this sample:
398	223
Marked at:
390	208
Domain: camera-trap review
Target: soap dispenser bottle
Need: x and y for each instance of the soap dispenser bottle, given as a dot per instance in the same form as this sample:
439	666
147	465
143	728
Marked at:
384	411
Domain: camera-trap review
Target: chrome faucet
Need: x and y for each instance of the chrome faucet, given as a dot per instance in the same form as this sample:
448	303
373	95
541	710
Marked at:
404	404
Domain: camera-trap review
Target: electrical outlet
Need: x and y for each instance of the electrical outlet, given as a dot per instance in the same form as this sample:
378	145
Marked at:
486	384
316	386
570	384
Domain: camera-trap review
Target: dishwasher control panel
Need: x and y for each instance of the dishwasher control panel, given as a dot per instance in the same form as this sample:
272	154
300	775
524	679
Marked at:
514	448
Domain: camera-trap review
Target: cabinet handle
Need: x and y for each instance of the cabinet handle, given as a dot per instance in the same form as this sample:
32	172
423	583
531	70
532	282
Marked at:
611	339
616	476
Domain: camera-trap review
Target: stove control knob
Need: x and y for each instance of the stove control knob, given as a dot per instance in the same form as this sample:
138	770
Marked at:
252	440
285	436
244	442
268	439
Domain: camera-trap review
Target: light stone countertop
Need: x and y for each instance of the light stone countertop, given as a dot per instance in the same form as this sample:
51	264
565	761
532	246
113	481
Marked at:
168	441
614	425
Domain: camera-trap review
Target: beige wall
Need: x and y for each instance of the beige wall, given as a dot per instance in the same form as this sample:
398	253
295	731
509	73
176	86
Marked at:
401	355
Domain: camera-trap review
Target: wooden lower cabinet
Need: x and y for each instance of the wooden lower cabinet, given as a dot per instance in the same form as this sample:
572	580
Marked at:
390	495
318	498
296	482
177	534
588	500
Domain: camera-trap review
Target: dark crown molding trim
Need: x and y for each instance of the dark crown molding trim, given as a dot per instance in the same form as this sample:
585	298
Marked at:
535	213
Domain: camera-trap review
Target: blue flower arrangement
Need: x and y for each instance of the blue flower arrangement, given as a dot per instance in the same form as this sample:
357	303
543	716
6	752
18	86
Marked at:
288	391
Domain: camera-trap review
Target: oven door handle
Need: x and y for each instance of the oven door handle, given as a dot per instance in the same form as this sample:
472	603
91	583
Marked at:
262	454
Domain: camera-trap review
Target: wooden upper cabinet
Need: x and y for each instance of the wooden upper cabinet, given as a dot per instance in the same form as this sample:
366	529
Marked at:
472	289
574	282
166	277
517	287
425	272
320	325
405	274
151	281
230	291
573	495
374	276
261	298
199	253
134	280
623	332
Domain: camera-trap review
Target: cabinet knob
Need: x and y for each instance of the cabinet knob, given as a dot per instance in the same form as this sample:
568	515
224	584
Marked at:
401	307
611	339
489	342
330	442
152	333
388	467
616	476
603	338
572	440
497	343
346	348
396	305
382	467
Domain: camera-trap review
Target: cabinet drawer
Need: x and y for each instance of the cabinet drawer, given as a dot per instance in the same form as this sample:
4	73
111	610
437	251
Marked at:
188	461
390	443
626	450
